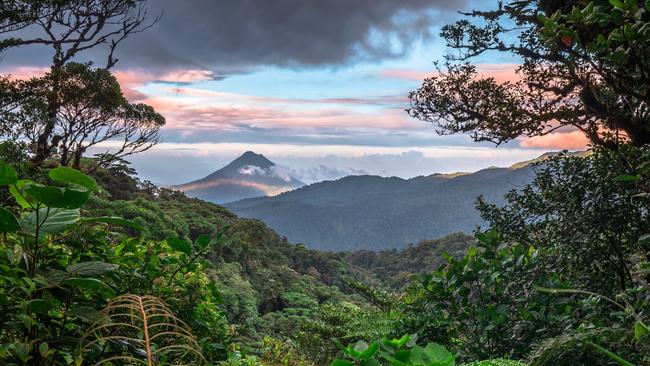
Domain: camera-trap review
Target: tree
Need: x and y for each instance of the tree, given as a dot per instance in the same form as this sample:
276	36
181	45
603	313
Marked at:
69	27
586	212
92	110
585	67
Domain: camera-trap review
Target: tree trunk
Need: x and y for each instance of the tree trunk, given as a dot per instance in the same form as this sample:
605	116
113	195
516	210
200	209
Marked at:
43	146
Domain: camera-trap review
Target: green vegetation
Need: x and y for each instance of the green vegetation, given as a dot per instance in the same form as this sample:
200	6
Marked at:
101	268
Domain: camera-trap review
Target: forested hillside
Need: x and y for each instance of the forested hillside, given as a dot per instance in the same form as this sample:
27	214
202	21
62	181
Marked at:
397	267
268	285
374	213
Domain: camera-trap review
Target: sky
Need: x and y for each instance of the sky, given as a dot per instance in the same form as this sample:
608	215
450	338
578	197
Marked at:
320	87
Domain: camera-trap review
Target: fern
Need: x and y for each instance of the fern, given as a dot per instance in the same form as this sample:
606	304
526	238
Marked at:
139	330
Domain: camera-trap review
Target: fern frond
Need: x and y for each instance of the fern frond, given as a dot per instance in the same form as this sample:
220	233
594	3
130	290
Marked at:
139	330
568	344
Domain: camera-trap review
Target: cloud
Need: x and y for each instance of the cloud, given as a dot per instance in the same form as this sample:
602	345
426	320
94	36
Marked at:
247	33
239	36
322	172
130	80
24	72
574	140
174	163
216	111
500	72
273	171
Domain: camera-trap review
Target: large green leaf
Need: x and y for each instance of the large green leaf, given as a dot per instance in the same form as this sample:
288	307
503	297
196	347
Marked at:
7	174
58	197
203	241
93	268
69	175
432	355
87	313
19	196
179	245
51	221
85	283
39	305
113	221
8	222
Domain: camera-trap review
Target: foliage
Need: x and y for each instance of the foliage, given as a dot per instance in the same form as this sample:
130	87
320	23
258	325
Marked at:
586	214
343	321
395	268
404	351
485	304
91	110
584	68
269	287
58	269
279	353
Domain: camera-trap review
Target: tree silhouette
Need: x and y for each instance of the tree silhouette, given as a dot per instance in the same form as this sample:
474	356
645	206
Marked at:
585	67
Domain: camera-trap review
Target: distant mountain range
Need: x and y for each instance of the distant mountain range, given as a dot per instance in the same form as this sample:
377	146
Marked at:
250	175
373	212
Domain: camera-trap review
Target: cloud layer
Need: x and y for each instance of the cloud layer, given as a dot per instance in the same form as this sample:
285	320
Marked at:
239	36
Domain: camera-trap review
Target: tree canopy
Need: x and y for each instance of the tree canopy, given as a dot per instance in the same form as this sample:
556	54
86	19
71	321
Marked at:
584	66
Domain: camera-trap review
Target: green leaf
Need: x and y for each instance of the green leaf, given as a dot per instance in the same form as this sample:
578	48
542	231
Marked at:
43	348
85	283
57	197
19	196
179	245
69	175
640	330
39	306
8	222
93	268
87	313
113	221
627	178
340	362
394	361
438	355
616	3
203	241
620	360
8	175
51	221
370	351
398	343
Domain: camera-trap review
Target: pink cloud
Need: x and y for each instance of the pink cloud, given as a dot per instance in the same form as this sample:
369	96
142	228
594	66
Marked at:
24	72
233	111
500	72
131	80
574	140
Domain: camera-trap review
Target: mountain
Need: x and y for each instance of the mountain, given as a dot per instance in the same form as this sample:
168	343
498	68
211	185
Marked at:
375	213
250	175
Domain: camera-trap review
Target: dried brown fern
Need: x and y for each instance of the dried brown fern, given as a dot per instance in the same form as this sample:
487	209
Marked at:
139	330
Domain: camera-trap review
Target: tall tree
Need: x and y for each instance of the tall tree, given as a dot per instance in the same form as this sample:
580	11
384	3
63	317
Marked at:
92	110
69	27
585	66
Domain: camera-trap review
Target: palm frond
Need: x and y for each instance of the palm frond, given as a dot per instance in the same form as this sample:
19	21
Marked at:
139	330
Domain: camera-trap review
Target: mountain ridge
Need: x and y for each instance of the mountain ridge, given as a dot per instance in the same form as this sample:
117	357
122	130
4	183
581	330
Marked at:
370	212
